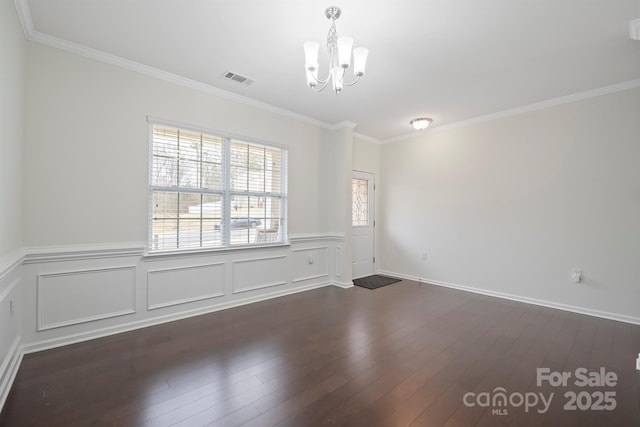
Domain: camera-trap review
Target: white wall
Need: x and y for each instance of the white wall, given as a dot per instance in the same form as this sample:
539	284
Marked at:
12	52
335	195
510	206
366	158
87	148
366	155
86	167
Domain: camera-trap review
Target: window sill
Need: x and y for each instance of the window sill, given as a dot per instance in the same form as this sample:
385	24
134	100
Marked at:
153	255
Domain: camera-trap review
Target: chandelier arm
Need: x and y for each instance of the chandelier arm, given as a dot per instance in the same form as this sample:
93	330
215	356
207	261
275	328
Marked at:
320	89
324	82
353	82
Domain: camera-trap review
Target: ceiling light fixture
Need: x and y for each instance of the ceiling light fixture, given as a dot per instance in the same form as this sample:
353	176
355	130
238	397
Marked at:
420	123
339	57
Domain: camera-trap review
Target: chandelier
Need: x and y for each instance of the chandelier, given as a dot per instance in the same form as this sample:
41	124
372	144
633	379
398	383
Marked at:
339	57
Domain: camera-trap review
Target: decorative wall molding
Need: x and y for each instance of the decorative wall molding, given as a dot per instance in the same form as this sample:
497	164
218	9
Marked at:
313	248
208	252
315	262
10	261
190	285
52	317
338	261
9	369
46	344
77	253
305	278
55	310
10	339
518	298
8	290
260	272
42	254
318	237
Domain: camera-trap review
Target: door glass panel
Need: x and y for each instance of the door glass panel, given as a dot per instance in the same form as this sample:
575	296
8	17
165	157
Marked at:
360	201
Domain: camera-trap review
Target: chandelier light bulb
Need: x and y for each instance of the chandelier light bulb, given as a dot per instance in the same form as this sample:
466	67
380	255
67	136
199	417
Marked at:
344	51
359	60
311	55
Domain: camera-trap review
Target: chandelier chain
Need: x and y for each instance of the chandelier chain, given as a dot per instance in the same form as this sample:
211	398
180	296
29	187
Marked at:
332	36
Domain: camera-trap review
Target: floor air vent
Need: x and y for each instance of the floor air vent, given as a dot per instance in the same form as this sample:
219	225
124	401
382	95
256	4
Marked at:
238	78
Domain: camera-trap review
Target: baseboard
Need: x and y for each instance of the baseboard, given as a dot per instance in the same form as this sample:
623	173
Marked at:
103	332
518	298
342	285
9	369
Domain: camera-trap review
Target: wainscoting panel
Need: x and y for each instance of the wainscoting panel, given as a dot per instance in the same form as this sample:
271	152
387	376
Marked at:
258	273
310	263
179	285
67	294
72	297
71	294
10	320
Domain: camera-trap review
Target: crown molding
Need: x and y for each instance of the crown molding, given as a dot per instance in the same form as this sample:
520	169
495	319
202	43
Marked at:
345	124
101	56
24	14
618	87
367	138
31	34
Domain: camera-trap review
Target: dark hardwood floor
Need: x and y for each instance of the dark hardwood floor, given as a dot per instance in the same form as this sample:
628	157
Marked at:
406	354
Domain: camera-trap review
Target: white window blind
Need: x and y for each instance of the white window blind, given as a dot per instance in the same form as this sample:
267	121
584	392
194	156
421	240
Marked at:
212	191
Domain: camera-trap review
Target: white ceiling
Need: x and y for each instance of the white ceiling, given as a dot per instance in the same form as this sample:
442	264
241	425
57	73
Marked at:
452	60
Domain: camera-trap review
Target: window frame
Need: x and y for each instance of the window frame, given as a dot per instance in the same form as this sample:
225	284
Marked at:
226	192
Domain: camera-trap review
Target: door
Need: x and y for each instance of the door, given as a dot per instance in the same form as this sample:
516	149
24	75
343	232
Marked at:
363	223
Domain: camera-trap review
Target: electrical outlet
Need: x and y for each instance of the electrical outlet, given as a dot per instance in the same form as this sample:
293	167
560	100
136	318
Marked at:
424	255
310	259
638	362
576	275
11	309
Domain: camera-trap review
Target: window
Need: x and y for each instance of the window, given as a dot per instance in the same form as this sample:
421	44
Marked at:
214	191
359	202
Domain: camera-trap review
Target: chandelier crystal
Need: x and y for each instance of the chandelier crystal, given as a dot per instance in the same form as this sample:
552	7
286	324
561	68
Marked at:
340	52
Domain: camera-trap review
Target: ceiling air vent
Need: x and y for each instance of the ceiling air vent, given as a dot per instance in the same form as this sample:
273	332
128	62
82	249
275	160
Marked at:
238	78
